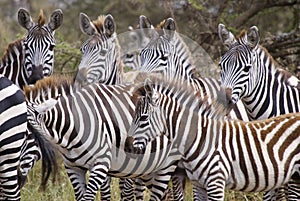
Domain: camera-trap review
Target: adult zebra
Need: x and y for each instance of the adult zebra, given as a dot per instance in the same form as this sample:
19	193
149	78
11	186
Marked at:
26	61
251	74
89	127
31	58
101	63
167	54
216	153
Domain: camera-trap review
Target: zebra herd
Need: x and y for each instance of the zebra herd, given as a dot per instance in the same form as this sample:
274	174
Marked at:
160	122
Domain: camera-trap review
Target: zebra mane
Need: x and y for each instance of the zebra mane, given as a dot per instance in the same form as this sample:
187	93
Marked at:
11	47
185	95
99	23
41	19
50	87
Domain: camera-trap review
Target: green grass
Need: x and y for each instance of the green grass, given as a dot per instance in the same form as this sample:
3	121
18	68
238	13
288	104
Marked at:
61	189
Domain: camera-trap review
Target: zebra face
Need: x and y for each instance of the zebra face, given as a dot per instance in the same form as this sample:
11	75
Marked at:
156	56
39	44
97	56
39	53
147	122
237	71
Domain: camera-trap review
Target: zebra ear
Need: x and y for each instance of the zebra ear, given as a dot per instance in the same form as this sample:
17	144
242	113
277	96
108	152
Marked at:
253	37
24	19
56	19
169	28
86	26
148	88
109	25
146	26
226	36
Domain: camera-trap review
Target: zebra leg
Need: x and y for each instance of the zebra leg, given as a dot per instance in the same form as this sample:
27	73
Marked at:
98	174
178	183
293	190
139	189
126	188
78	180
199	194
274	195
9	185
216	188
105	189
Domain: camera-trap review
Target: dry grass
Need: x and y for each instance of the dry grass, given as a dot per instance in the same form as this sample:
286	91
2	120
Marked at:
61	189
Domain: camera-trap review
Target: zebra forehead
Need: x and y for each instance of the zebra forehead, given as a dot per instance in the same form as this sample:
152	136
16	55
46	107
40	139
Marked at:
99	23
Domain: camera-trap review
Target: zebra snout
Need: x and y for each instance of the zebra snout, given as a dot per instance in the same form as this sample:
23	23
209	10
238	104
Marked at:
37	74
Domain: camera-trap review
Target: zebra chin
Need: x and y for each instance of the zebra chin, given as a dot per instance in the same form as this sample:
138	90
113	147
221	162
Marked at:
132	150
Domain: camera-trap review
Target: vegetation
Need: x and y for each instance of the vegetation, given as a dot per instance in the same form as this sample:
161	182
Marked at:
278	22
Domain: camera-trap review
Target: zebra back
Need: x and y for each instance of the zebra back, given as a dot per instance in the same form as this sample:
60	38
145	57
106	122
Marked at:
32	58
101	60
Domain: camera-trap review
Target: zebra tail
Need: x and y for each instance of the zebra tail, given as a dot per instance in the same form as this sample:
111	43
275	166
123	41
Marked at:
49	157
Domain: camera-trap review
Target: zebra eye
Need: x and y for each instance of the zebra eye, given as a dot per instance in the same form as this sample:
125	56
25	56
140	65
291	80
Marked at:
103	52
164	58
247	68
51	48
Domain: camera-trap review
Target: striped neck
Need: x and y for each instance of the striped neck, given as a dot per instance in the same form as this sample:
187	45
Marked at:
12	64
275	91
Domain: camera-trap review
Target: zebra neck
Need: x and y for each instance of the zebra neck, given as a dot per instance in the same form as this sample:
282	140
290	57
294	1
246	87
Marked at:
12	64
275	92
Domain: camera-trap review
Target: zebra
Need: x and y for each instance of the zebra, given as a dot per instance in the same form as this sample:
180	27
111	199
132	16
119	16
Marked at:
217	153
89	127
167	54
31	58
252	76
101	63
26	61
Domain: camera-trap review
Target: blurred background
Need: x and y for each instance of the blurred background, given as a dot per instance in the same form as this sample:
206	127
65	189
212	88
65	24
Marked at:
278	22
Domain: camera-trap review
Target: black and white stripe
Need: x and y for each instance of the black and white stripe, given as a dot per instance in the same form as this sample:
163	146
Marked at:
13	126
89	127
218	154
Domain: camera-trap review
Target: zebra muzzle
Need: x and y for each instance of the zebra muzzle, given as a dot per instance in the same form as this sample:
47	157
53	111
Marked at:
37	74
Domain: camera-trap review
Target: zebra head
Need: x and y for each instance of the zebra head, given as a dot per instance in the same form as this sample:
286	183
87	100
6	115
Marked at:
39	43
239	68
100	52
147	123
159	52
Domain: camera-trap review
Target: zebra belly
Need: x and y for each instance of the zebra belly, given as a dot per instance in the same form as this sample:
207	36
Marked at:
123	165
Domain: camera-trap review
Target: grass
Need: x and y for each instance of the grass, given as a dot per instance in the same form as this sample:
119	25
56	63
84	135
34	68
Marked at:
61	189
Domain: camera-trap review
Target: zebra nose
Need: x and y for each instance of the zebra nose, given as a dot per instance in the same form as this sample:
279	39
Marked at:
37	74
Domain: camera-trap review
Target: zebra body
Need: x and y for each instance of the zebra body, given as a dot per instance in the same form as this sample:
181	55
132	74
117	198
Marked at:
251	74
13	125
32	58
218	154
99	147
